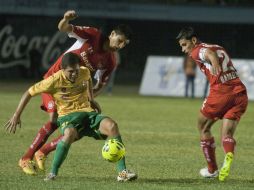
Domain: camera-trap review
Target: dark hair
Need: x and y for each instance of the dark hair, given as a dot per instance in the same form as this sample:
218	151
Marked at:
186	33
125	30
70	59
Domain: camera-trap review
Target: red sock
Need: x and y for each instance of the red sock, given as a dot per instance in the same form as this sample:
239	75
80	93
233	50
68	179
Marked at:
49	147
208	147
229	144
40	139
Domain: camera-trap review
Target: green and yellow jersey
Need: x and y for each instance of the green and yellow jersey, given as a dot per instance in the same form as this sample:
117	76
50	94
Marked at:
69	97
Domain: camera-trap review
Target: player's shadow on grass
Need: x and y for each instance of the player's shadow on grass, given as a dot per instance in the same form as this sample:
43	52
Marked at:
194	181
177	181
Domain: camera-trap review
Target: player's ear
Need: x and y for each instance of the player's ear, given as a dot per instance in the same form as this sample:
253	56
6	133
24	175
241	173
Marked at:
112	33
194	40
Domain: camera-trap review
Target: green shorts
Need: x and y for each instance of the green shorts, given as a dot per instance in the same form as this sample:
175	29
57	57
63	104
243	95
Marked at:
86	123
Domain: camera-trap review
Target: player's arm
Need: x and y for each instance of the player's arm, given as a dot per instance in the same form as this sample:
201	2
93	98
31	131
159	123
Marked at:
15	121
213	58
94	104
64	25
45	85
98	87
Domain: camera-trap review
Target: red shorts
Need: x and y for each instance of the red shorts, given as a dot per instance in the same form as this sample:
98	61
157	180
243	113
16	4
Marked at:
48	103
231	106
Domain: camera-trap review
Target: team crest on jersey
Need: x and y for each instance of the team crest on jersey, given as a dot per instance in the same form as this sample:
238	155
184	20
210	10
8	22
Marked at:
51	105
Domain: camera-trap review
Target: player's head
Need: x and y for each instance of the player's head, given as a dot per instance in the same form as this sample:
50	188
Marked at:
119	37
187	39
70	65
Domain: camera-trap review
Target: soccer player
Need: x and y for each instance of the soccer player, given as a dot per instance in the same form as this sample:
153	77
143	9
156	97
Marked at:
227	100
71	88
97	54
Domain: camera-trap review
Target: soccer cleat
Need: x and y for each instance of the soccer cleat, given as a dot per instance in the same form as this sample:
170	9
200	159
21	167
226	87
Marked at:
27	166
40	159
224	171
205	173
126	175
50	177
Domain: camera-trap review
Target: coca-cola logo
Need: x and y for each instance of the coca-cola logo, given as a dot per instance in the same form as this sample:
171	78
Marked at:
14	49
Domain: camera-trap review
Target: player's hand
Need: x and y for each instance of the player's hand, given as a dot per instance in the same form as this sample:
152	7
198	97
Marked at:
216	69
95	105
12	124
70	15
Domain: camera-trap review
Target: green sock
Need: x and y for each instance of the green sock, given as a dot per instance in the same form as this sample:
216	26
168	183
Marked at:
62	149
121	163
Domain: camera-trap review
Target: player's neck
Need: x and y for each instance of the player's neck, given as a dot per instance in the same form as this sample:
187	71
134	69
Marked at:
105	46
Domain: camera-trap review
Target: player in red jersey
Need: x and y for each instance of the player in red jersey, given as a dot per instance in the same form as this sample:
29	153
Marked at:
227	99
97	53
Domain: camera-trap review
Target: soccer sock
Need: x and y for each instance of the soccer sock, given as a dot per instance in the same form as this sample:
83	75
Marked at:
40	139
51	146
229	144
121	163
59	156
208	147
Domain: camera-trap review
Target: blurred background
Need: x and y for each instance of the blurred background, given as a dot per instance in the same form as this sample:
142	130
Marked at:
30	42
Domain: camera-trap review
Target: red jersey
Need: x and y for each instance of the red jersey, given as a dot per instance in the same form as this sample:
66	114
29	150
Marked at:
89	47
227	81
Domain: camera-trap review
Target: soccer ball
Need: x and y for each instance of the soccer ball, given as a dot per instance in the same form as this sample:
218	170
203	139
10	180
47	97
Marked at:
113	150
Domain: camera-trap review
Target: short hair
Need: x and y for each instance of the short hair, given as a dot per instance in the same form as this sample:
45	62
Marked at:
186	33
125	30
70	59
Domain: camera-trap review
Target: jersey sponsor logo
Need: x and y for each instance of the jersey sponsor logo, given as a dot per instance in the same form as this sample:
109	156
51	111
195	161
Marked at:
84	56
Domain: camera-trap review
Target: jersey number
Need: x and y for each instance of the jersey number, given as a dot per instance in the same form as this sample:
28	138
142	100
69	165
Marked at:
224	56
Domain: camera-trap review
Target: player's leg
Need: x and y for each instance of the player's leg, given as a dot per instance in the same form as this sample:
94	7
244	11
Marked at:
62	149
231	119
26	161
41	155
70	126
110	128
208	146
227	131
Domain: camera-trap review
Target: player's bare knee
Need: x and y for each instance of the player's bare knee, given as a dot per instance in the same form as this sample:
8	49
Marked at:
112	128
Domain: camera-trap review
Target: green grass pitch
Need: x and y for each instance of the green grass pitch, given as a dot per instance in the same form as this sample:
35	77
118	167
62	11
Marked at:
161	139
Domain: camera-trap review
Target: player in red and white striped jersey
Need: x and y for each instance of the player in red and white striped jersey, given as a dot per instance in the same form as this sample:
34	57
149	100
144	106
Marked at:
227	99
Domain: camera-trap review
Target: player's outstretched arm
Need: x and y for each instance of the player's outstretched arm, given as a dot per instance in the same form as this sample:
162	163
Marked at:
64	25
15	121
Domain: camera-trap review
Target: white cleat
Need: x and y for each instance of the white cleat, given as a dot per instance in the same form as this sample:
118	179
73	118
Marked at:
126	175
50	177
205	173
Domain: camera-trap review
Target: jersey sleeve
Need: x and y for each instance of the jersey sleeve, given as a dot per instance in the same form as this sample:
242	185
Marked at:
82	32
199	53
46	85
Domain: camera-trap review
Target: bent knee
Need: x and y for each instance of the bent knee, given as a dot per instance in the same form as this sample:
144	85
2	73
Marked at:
109	127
